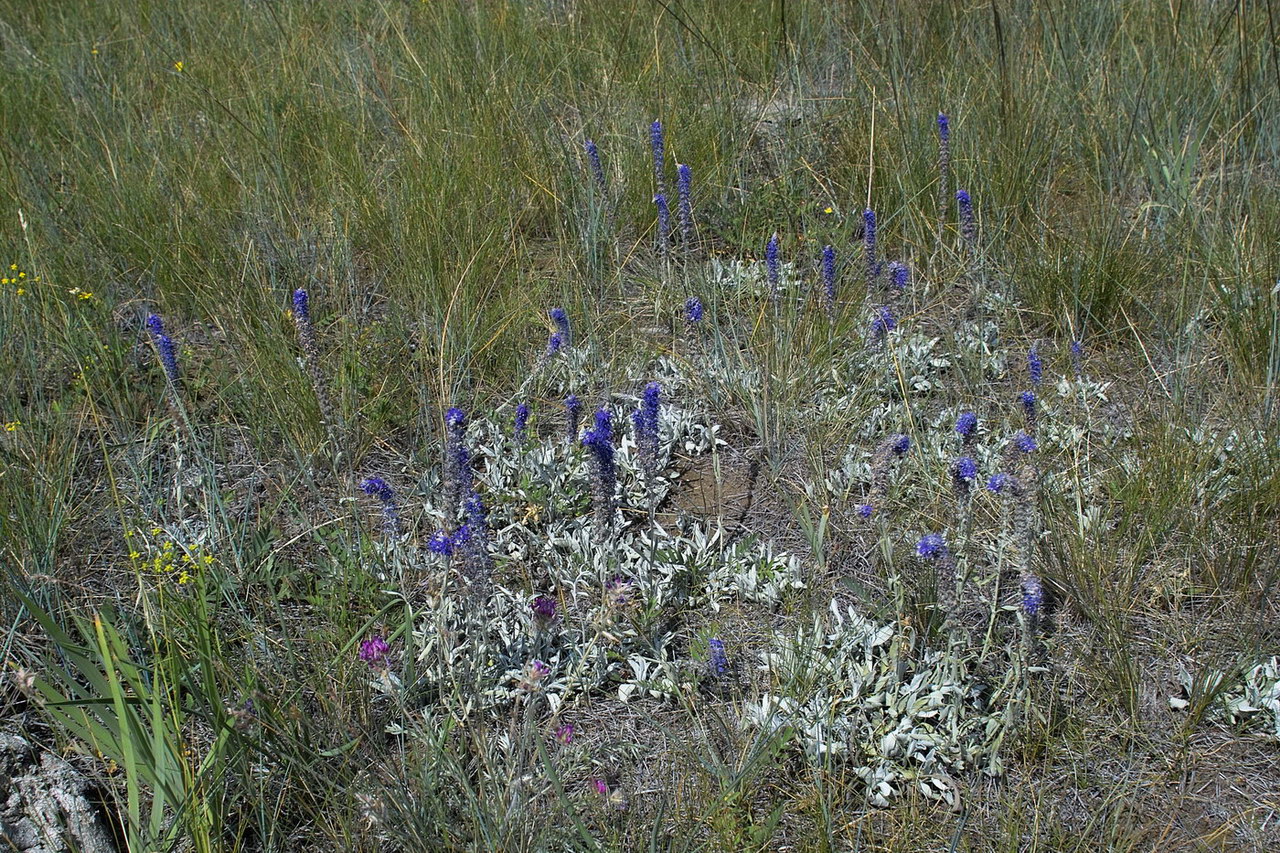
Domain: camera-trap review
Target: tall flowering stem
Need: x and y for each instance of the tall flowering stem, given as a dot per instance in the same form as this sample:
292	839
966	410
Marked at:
457	463
773	267
1028	401
968	225
1077	358
656	143
477	562
573	417
1035	367
165	348
664	223
717	658
311	355
604	475
869	246
944	167
597	170
964	479
829	278
1022	491
693	310
646	419
684	190
522	423
967	427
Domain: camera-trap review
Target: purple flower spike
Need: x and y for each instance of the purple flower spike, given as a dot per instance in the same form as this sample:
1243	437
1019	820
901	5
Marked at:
168	356
684	194
597	170
773	265
1028	401
964	472
944	166
664	222
829	276
646	421
522	422
441	543
1025	443
604	475
901	444
573	415
968	227
865	510
967	426
658	146
164	346
477	561
457	461
1035	366
883	323
693	310
997	483
719	660
378	488
561	321
1077	357
898	275
301	306
565	733
1032	595
869	243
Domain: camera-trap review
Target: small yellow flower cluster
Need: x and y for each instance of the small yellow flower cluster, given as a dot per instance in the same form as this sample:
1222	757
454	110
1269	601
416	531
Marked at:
18	278
178	66
12	426
80	294
169	558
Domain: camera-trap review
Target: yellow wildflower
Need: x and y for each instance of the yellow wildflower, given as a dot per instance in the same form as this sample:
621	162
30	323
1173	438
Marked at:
178	66
12	426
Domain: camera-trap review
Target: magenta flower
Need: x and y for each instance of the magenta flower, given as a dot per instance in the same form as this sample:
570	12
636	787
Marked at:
373	651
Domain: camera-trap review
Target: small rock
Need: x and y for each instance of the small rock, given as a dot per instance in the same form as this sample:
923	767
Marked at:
43	808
